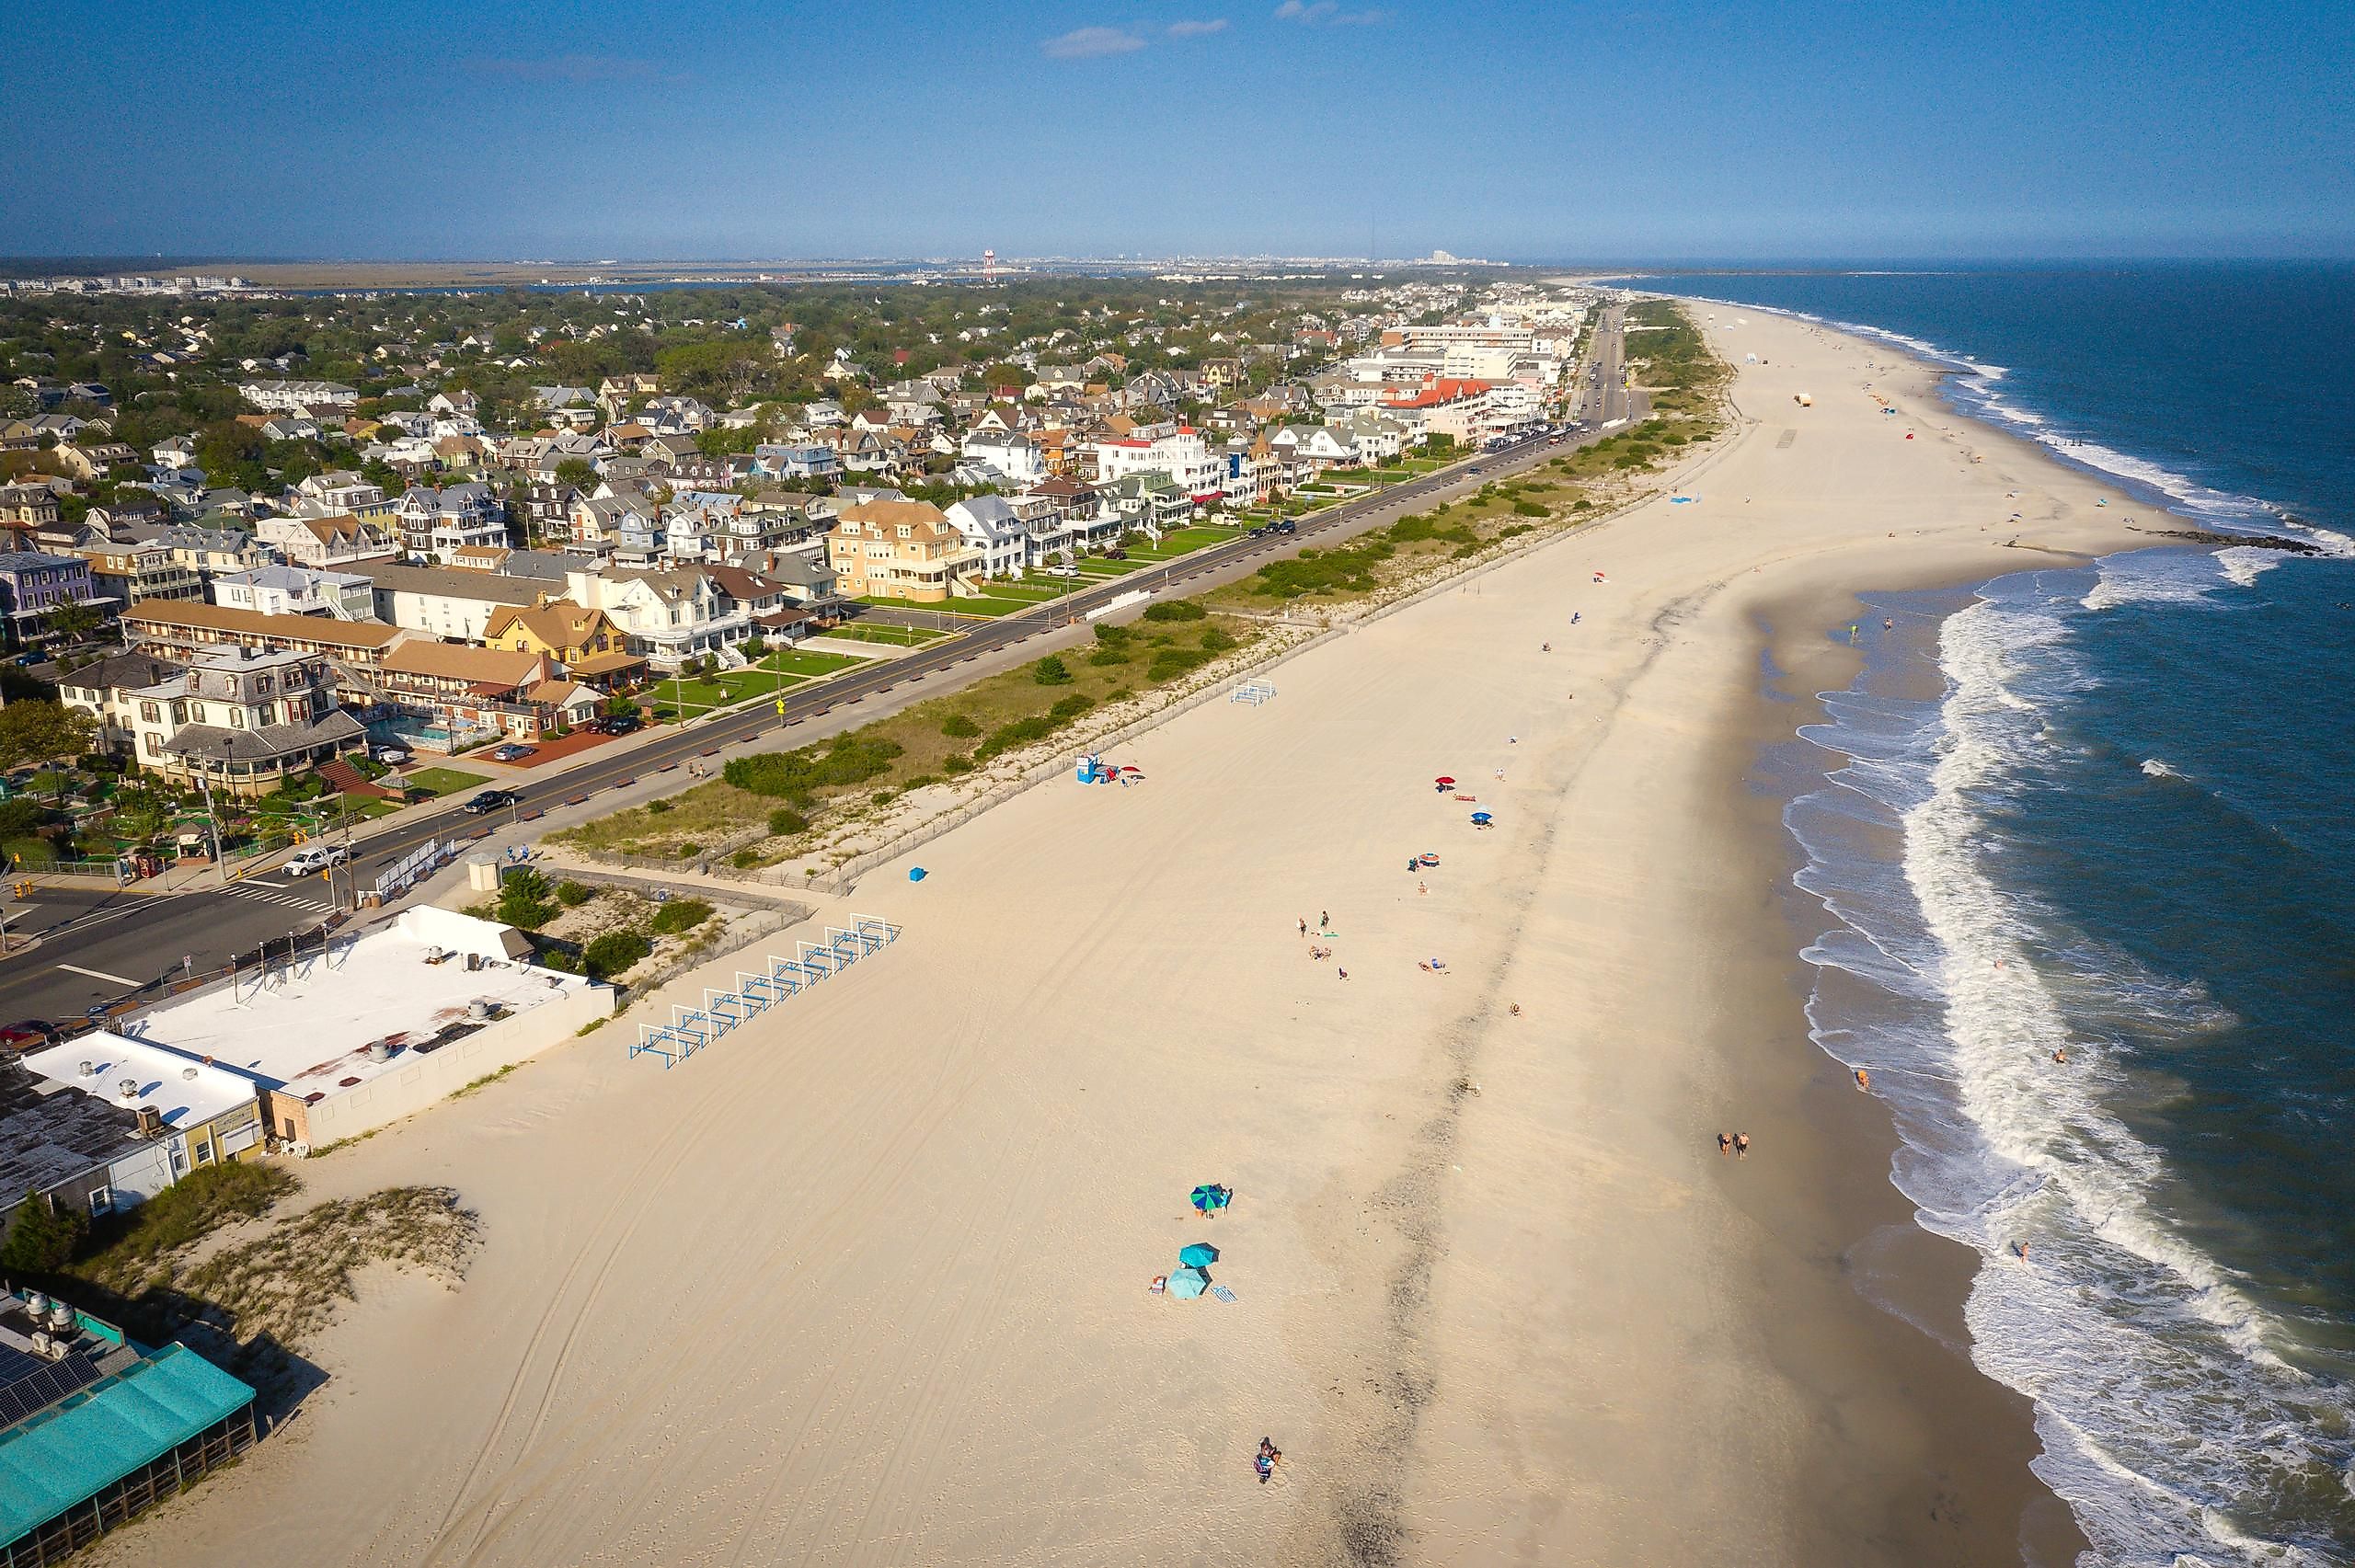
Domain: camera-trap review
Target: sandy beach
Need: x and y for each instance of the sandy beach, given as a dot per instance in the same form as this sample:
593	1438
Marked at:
866	1282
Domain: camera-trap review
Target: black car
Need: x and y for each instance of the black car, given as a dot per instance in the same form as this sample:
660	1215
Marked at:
491	800
619	723
1286	527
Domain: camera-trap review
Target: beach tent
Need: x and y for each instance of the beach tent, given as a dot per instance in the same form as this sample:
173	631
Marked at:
916	874
1201	1255
1209	1197
1188	1283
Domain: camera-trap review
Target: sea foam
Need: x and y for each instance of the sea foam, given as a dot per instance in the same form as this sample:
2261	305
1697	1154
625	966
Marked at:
2160	1392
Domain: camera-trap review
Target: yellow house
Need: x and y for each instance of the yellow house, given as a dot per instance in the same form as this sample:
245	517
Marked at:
584	643
897	550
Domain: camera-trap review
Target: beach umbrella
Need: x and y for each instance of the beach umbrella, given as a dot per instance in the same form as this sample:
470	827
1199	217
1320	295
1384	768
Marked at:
1201	1255
1188	1283
1210	1195
1482	817
916	874
1443	779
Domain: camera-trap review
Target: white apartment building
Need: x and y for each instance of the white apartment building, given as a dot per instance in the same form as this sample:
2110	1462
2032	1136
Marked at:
991	525
297	590
1183	454
294	396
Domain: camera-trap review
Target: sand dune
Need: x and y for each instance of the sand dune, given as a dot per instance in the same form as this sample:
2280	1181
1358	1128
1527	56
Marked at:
866	1282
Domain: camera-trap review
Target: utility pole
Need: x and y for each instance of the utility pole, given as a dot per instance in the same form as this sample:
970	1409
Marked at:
211	821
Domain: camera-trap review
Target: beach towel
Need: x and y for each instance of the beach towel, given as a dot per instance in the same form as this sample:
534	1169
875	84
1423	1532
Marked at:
1223	1294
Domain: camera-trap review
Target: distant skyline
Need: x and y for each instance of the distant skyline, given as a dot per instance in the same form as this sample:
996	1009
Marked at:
1674	132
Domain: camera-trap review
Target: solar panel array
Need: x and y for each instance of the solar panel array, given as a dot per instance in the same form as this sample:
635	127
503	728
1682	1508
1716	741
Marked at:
29	1385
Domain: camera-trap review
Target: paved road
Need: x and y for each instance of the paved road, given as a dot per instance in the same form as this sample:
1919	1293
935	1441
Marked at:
188	923
1603	398
96	945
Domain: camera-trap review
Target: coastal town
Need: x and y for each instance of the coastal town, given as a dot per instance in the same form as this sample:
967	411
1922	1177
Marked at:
267	600
465	551
1321	785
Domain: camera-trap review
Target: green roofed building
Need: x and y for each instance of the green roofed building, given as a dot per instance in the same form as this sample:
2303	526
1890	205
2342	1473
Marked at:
97	1429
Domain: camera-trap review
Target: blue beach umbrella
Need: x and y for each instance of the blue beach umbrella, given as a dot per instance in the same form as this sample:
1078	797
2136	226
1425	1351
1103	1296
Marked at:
1198	1255
916	874
1208	1196
1482	817
1188	1283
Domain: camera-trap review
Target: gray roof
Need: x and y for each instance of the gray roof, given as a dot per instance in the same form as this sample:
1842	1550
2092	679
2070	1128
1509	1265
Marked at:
267	744
49	1138
492	587
540	565
123	671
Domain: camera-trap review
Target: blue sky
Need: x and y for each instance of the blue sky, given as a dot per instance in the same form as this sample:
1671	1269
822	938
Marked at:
1608	132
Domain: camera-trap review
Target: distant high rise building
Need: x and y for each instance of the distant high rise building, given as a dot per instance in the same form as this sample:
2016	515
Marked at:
989	266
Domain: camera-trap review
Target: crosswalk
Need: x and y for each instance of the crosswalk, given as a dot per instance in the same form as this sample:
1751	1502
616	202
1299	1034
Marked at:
272	893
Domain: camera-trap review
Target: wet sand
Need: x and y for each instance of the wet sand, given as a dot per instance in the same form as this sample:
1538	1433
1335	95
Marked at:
866	1282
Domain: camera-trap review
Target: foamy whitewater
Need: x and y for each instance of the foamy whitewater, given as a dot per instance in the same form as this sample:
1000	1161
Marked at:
2093	901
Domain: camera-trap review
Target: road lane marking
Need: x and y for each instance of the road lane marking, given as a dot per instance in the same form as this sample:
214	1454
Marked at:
97	974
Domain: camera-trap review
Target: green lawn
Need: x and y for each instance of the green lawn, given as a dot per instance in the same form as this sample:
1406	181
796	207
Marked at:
987	607
808	661
724	690
1186	540
443	781
901	637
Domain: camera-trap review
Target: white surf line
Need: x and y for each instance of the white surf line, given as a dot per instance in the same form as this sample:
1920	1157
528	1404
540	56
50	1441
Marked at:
95	974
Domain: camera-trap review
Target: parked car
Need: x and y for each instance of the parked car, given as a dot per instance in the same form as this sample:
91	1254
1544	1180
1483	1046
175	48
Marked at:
618	723
513	752
391	756
27	1034
491	800
1062	571
1287	526
317	858
1116	553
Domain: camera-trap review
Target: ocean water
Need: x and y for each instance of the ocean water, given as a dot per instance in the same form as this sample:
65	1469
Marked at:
2106	813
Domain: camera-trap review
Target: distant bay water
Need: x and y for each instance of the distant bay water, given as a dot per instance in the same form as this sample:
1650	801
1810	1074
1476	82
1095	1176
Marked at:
2123	831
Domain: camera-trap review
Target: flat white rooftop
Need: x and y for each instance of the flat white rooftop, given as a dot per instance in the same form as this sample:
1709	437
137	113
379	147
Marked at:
306	1028
131	1073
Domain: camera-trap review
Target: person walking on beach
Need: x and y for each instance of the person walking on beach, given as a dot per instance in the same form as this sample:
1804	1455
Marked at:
1725	1143
1304	925
1325	921
1742	1146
